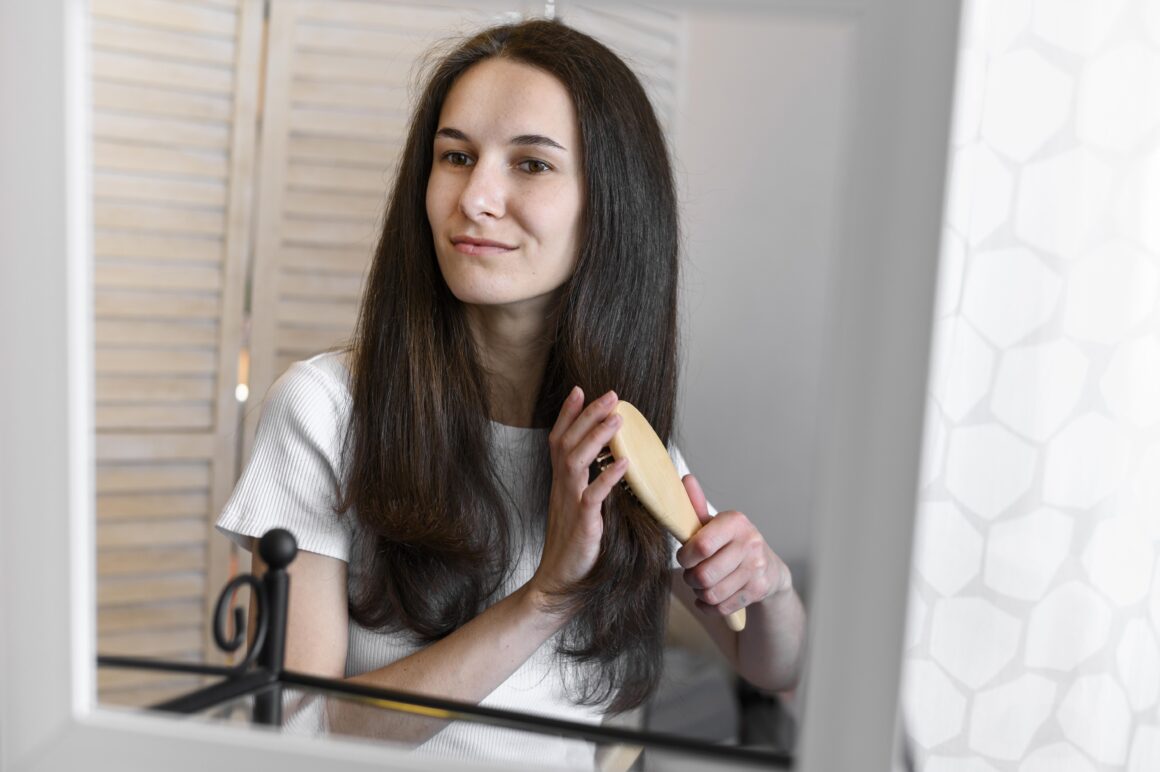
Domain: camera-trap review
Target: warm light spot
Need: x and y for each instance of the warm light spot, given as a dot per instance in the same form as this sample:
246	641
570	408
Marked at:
242	391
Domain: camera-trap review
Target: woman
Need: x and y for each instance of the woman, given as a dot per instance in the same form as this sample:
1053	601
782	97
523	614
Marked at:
454	539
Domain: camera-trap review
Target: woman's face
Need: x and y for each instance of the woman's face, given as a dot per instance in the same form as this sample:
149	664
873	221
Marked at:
506	188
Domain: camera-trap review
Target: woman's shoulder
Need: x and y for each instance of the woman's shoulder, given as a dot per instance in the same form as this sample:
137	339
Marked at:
321	378
311	397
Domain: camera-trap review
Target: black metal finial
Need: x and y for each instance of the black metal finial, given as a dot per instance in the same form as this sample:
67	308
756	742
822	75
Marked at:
278	548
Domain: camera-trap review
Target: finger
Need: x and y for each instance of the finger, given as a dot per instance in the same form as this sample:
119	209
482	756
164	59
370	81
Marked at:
598	437
598	490
567	415
711	538
697	498
575	466
715	569
734	602
597	411
721	529
727	587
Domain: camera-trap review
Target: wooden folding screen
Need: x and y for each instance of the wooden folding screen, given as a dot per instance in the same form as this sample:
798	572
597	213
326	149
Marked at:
174	91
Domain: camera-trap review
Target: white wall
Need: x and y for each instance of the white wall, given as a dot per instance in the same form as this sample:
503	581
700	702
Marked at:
757	148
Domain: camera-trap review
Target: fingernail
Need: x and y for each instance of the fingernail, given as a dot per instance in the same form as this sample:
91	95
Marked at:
608	398
574	394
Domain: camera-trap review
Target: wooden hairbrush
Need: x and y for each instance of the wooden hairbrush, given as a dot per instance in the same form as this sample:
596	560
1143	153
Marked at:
653	480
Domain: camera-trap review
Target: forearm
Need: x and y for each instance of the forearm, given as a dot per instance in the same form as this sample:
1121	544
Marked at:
770	649
465	666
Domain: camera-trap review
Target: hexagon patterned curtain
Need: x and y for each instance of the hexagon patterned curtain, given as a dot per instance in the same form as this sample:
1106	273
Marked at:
1035	597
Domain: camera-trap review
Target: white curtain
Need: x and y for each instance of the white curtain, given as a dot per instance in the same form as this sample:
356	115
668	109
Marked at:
1035	597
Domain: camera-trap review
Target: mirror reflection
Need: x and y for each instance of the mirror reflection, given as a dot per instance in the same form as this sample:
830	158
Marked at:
247	166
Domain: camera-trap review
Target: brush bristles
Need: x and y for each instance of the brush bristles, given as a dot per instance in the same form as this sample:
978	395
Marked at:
605	459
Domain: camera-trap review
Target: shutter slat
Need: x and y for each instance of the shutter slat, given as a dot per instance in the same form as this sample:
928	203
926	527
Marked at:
153	100
127	157
157	276
308	258
163	643
149	617
366	178
157	219
129	417
153	130
151	334
157	247
152	533
137	388
353	96
359	207
137	187
143	71
155	560
336	316
156	478
108	34
368	126
183	17
346	289
141	506
120	592
125	304
330	232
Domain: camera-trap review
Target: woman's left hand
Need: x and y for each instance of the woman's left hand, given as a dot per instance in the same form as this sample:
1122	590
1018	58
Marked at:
728	563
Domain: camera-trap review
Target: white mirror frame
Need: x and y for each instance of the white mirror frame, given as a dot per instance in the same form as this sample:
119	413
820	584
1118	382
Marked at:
867	469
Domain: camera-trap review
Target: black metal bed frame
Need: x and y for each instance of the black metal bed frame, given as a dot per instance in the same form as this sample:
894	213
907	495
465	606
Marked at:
261	674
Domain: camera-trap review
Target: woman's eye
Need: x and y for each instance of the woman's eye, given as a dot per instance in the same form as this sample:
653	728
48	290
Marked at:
534	166
457	158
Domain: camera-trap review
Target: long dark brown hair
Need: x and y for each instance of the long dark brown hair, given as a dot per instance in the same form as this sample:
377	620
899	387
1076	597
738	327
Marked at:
434	534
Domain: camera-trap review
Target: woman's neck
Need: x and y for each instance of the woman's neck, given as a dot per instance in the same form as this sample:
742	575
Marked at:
513	351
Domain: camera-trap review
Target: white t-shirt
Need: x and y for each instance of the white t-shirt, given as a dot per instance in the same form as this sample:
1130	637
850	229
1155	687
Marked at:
291	481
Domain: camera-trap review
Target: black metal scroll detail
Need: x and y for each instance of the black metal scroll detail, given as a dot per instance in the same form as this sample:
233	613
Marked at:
277	549
262	617
260	672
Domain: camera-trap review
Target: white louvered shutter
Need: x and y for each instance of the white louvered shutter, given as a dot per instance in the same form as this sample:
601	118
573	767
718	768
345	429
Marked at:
174	89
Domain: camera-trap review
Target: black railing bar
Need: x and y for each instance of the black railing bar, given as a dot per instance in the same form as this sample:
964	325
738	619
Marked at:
215	694
462	710
150	663
595	732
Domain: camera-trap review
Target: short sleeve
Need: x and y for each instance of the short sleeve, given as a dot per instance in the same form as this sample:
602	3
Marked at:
292	478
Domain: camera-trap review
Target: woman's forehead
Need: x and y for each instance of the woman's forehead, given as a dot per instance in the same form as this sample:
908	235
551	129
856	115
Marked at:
501	99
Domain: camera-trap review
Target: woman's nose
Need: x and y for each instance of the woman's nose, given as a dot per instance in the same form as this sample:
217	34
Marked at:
483	194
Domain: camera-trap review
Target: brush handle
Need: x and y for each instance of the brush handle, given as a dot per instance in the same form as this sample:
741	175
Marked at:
655	482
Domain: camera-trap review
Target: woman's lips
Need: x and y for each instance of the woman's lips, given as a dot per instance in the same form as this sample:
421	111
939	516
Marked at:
479	247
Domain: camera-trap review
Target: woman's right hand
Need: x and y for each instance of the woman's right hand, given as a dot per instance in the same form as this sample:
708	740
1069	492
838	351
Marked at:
575	525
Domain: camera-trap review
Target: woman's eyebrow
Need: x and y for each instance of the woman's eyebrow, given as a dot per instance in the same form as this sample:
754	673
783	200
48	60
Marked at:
534	140
537	140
